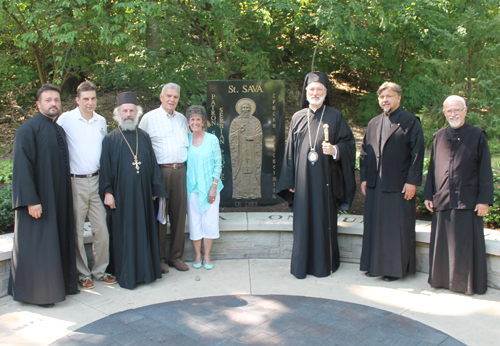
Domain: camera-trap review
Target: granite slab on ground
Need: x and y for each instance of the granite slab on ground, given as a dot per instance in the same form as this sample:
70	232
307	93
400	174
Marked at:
256	320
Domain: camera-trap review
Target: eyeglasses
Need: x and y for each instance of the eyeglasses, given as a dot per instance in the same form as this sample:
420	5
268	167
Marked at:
451	111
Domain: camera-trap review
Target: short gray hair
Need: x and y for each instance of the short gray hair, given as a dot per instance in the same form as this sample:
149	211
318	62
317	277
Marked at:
196	110
455	98
391	85
171	85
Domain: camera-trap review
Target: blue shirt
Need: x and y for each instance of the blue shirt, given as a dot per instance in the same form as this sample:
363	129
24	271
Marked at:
204	163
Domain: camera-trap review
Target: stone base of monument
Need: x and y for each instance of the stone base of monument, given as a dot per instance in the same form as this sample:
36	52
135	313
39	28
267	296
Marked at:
269	235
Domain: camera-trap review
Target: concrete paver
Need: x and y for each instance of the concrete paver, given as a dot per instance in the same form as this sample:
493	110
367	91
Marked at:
258	301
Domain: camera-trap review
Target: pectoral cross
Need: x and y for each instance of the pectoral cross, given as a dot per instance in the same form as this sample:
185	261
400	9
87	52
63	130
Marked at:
136	163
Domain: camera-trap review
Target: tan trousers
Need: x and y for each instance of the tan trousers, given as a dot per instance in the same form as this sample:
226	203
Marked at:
174	181
86	201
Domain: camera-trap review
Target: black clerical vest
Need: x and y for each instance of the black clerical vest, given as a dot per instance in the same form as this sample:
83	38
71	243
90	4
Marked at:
455	170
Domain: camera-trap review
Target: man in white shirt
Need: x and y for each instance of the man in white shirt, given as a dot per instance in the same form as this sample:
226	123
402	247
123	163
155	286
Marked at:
85	130
168	130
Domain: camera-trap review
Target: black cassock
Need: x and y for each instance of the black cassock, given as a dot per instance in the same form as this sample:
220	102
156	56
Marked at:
391	155
43	267
134	252
315	248
459	177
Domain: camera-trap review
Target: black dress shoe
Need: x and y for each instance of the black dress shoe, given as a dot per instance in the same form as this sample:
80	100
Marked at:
370	275
390	278
46	305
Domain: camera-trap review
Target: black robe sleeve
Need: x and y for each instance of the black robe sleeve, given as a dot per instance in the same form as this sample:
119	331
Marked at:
429	182
485	173
287	175
24	191
345	187
414	176
106	175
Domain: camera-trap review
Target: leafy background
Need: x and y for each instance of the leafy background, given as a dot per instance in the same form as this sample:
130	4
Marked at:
432	48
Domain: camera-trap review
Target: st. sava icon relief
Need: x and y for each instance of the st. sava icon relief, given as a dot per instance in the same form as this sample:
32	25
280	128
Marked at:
245	141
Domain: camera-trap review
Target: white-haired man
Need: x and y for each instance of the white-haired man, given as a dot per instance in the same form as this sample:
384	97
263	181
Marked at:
169	130
129	182
459	190
317	177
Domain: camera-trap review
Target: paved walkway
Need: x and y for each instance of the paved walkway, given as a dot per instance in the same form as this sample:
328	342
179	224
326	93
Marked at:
259	302
256	320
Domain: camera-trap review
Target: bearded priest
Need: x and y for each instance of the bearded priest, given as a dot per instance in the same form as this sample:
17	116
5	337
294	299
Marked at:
130	181
317	178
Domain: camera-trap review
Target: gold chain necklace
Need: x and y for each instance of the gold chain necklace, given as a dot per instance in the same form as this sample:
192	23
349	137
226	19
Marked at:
136	162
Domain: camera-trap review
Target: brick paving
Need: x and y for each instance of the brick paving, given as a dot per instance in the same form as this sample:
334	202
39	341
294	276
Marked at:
256	320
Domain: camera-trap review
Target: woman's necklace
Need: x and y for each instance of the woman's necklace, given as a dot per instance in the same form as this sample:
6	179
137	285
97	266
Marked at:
313	155
136	162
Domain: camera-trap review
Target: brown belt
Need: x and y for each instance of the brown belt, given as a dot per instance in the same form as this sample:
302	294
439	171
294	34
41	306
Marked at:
85	175
173	165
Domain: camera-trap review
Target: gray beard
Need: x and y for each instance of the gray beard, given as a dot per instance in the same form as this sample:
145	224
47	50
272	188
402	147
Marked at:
454	123
129	125
314	102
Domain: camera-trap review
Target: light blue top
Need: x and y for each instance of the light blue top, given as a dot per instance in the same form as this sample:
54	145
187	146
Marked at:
204	163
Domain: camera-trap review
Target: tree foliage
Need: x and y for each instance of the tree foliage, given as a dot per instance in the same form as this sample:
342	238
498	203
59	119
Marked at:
432	48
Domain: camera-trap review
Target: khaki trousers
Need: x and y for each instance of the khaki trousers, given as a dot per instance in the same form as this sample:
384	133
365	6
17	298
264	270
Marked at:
174	181
86	201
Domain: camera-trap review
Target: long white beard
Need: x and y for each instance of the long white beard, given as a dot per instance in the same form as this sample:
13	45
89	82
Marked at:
129	125
315	102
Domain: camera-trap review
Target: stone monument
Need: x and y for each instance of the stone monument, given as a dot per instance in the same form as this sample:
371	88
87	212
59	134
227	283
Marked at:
245	142
248	117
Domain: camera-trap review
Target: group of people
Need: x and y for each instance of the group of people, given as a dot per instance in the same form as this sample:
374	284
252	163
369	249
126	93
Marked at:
317	179
67	168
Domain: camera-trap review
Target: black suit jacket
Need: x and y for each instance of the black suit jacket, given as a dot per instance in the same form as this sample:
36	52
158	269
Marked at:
400	156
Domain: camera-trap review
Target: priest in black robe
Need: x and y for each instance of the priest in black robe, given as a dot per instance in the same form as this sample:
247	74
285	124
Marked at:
459	190
391	161
317	177
43	266
130	180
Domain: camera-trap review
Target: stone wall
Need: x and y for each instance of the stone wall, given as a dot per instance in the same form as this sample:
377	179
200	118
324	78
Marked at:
4	276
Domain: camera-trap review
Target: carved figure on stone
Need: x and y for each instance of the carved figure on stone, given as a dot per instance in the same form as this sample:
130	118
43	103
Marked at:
245	142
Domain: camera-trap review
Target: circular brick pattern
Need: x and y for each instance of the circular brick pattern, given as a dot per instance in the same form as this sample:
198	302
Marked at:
256	320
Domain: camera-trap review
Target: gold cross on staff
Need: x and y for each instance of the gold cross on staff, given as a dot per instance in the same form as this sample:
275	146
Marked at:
136	163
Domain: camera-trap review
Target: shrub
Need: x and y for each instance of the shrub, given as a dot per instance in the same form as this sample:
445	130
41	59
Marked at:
420	190
6	171
6	212
492	219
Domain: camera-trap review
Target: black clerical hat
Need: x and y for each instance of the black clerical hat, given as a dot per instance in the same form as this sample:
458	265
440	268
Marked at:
315	77
127	97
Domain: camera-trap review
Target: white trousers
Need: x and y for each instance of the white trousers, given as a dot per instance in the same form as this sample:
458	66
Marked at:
206	224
